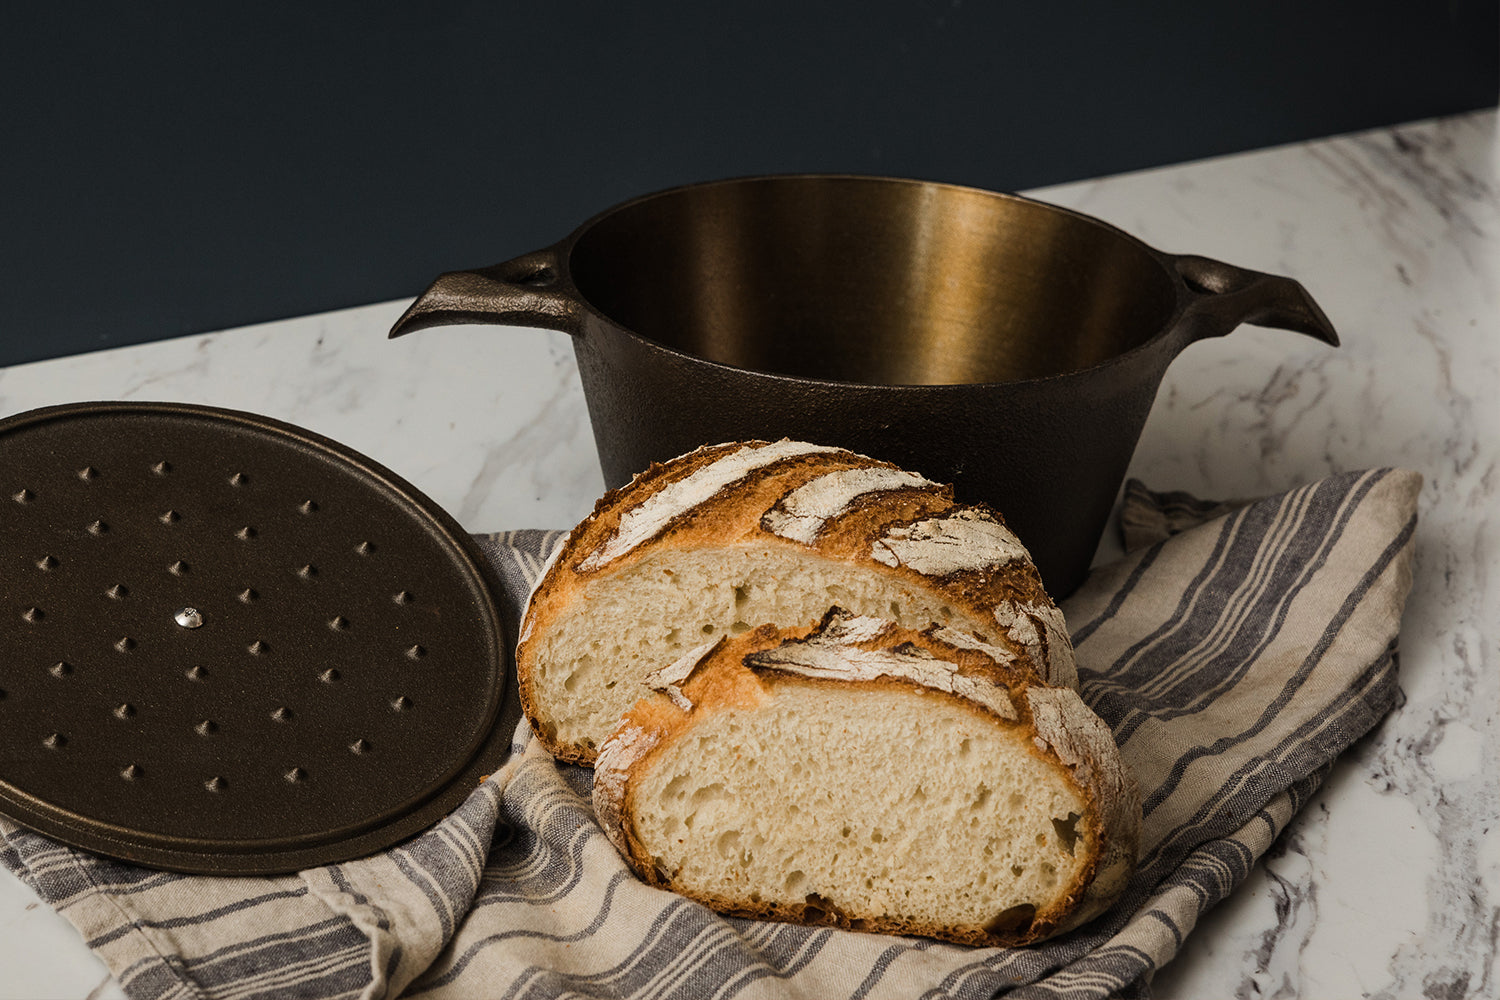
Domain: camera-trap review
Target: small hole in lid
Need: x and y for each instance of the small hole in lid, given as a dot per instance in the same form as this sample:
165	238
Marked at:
195	673
238	479
162	468
245	534
296	775
170	517
88	472
247	595
117	592
61	668
401	704
24	496
257	647
416	652
33	615
46	562
98	528
130	772
308	506
125	710
403	597
206	728
339	623
307	572
329	676
282	714
215	784
360	746
124	644
55	741
364	548
178	568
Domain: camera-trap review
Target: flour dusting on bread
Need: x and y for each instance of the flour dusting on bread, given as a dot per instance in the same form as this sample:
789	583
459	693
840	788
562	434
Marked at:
966	541
850	648
642	523
807	510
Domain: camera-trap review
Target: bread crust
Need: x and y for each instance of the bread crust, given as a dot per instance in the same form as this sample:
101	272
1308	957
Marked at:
1051	723
843	506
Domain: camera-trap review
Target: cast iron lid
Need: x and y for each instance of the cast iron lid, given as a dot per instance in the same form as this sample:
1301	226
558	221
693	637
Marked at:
231	646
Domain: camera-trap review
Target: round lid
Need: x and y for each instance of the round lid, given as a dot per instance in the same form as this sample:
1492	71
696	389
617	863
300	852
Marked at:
232	646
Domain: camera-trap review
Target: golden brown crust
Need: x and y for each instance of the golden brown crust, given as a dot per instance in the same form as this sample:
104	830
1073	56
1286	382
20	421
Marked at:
738	514
736	674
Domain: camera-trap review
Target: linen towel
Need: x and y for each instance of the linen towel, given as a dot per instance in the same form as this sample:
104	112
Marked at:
1236	651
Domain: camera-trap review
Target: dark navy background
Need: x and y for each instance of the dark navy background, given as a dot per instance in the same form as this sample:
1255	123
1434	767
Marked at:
169	168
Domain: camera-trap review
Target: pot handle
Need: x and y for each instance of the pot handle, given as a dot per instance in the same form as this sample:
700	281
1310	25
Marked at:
530	290
1223	296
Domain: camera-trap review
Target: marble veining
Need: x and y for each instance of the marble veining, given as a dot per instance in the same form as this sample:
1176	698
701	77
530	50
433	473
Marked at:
1387	884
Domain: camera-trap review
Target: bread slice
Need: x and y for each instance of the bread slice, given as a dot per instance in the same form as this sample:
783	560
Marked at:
872	777
735	536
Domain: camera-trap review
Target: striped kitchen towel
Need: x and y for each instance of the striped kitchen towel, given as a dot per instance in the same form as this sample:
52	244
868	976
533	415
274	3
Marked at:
1236	651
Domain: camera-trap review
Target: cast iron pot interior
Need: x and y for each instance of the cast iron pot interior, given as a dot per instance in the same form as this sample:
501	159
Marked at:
1004	345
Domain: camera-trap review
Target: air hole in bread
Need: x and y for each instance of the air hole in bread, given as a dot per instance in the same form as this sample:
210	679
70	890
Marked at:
818	908
1067	830
727	844
676	788
585	667
1013	920
707	794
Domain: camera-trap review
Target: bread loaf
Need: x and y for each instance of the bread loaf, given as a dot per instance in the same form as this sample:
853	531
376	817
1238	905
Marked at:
872	777
735	536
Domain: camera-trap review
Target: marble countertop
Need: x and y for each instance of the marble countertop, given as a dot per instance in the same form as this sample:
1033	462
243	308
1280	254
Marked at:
1388	883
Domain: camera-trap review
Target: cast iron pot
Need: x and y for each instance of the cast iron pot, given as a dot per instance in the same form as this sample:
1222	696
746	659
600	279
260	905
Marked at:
1006	346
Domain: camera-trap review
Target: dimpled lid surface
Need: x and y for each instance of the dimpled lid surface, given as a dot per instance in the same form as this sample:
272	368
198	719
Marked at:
231	646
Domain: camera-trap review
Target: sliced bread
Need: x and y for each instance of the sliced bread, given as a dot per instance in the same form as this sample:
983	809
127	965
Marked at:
735	536
873	777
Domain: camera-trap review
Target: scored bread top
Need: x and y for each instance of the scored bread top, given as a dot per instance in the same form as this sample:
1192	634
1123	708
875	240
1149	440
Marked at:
845	649
841	504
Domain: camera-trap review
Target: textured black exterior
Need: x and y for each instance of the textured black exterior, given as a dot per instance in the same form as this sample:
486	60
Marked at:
1050	457
1009	347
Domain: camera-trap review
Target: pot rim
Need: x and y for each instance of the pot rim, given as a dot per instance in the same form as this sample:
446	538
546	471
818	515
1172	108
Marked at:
1184	295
